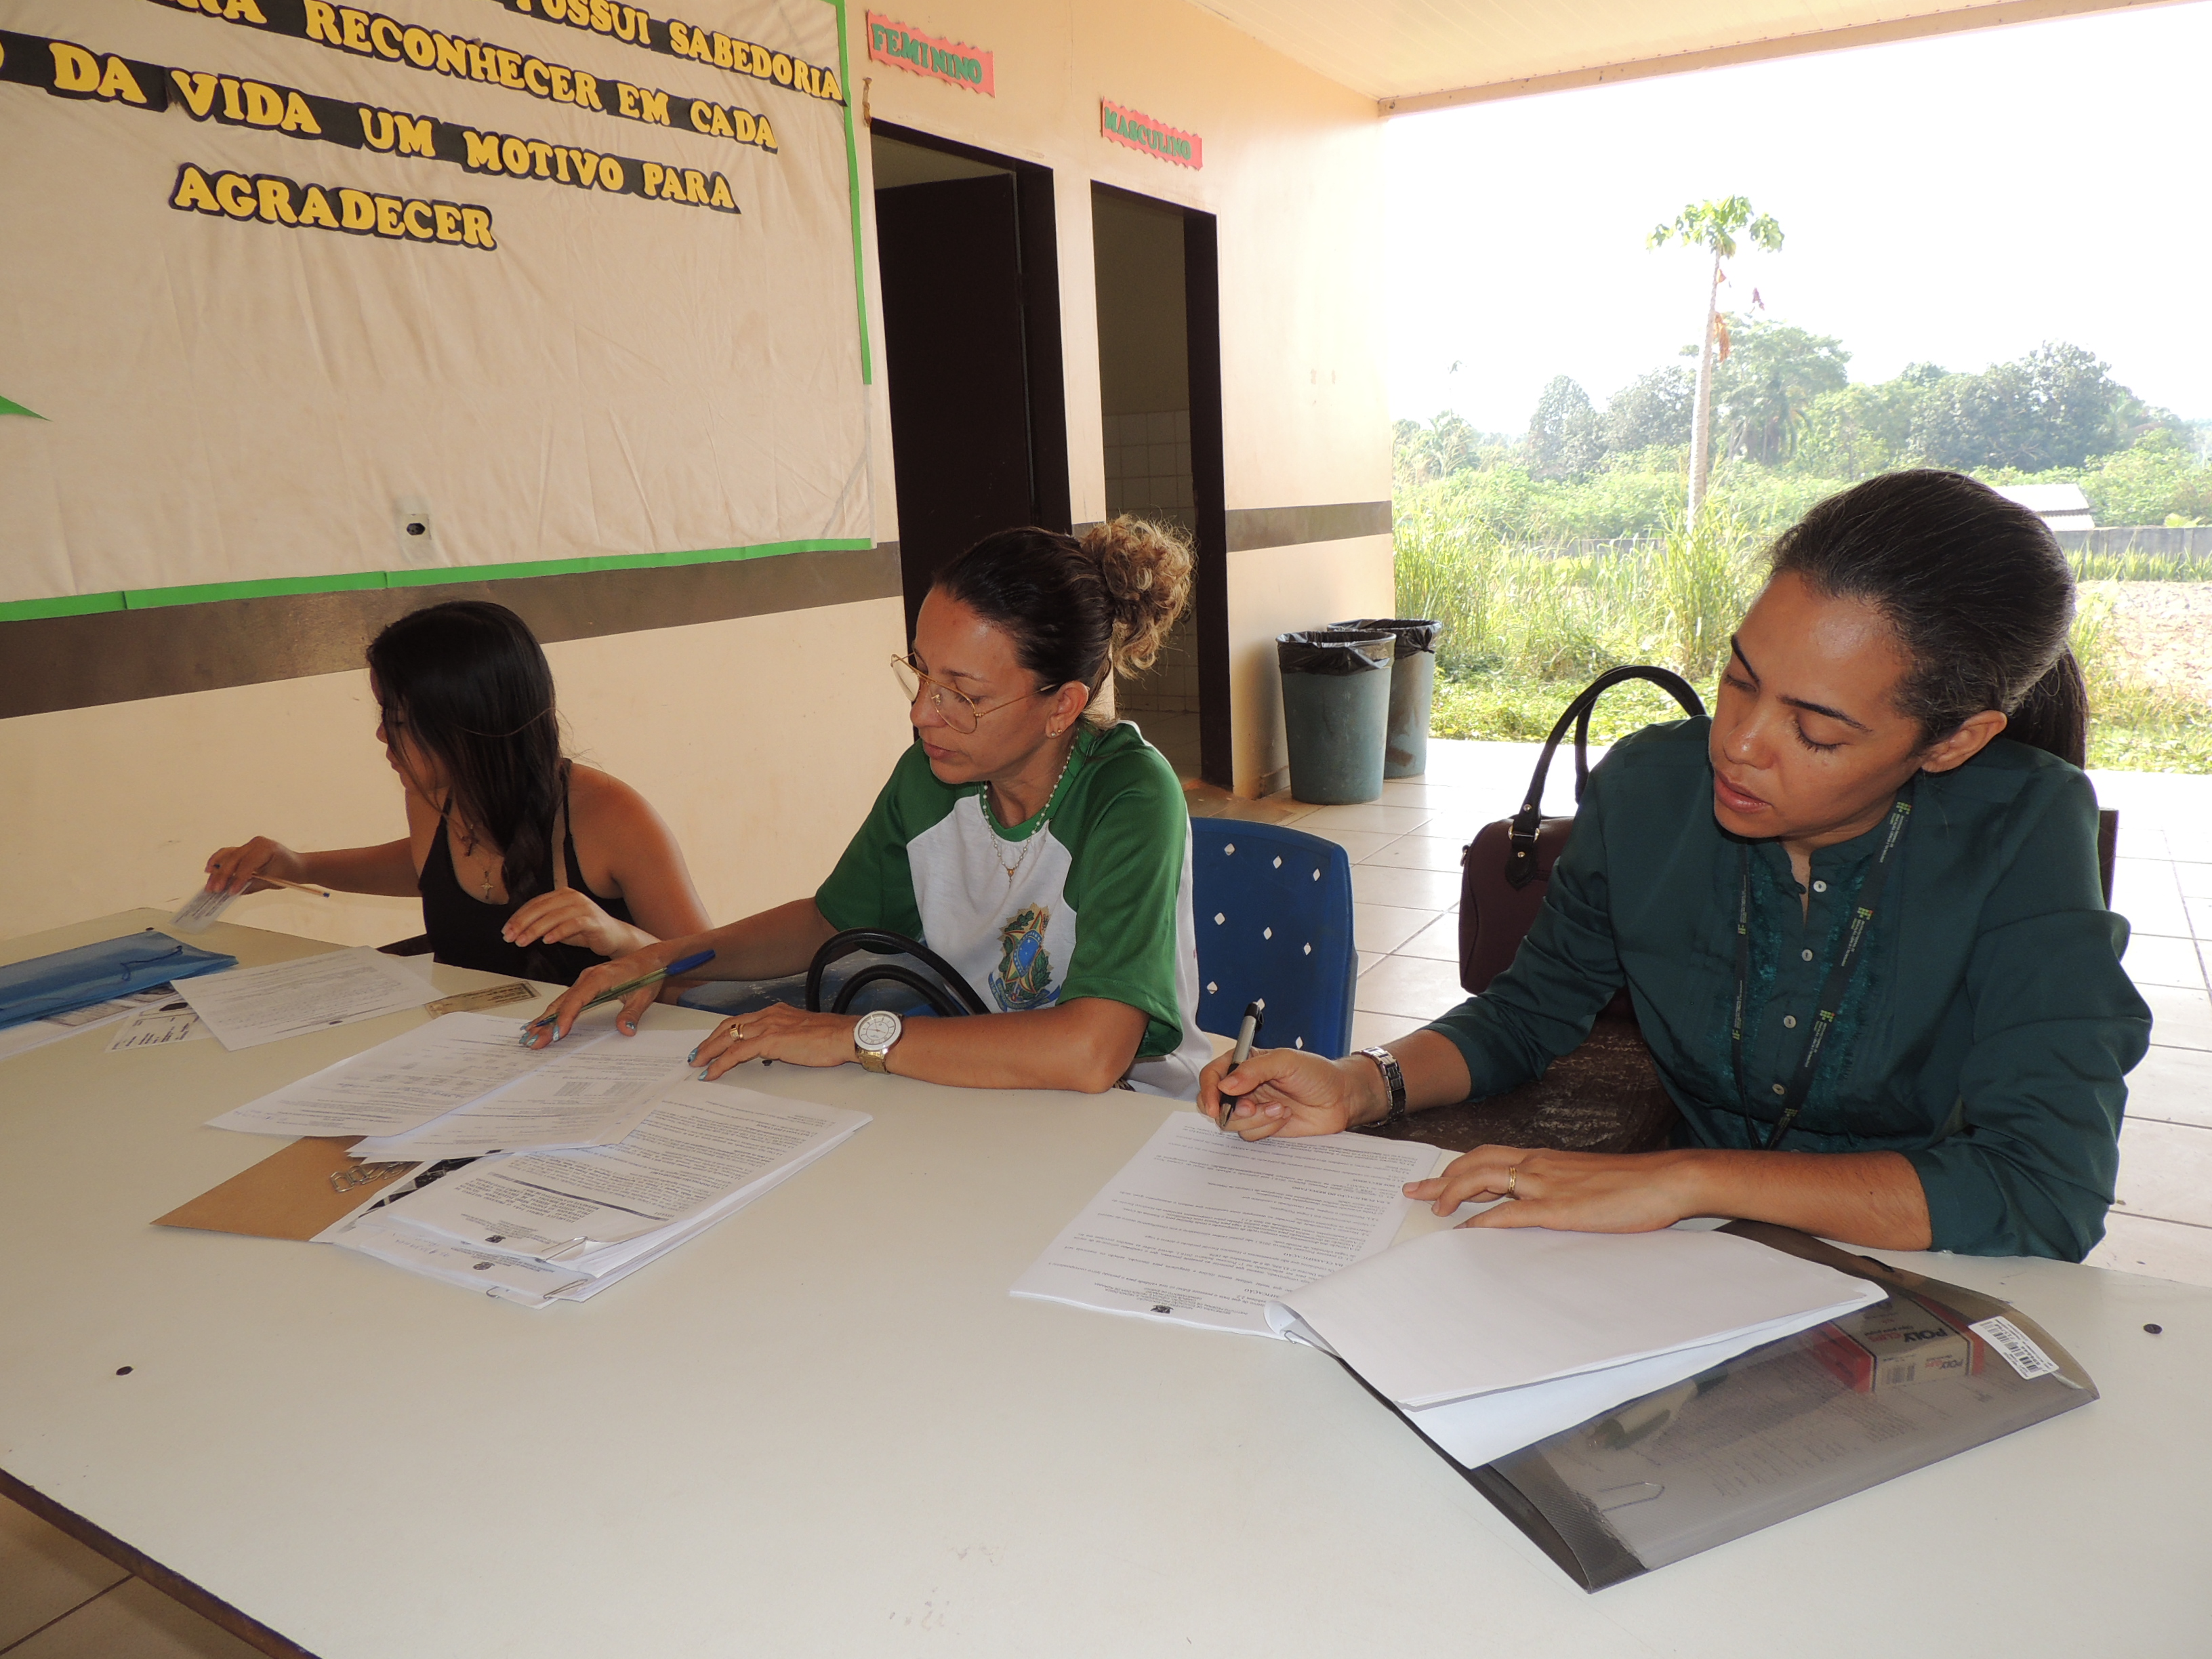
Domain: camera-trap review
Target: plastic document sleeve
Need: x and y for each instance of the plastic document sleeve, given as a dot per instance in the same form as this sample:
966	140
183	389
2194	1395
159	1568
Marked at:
1782	1429
97	973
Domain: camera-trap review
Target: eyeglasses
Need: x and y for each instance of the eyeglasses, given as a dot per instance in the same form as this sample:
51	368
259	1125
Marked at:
954	708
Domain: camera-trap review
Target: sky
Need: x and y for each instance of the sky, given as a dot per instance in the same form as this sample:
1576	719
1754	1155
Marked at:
1957	200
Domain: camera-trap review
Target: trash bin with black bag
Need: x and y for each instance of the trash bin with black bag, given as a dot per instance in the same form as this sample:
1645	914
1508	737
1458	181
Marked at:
1412	685
1336	711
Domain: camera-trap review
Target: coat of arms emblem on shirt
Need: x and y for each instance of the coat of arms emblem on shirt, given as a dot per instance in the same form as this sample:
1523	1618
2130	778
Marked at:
1023	979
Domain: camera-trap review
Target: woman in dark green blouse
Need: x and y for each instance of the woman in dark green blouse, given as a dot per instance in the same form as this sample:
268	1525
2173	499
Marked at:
1898	731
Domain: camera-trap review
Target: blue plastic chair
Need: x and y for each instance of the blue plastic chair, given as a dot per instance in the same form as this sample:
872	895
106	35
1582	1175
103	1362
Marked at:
1274	913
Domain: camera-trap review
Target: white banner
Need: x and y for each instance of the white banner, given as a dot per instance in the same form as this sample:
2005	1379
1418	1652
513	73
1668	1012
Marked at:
318	296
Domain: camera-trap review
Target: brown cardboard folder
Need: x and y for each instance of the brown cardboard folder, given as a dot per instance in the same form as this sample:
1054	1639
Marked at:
288	1194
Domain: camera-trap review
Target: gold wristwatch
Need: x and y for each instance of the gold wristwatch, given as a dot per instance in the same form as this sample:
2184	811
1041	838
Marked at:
874	1036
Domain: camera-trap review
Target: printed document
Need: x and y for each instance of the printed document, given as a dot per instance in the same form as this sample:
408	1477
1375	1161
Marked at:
702	1144
246	1007
590	1095
1204	1228
399	1085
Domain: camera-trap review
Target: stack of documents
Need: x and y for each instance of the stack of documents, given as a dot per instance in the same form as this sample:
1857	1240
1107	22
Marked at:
561	1226
1491	1339
463	1085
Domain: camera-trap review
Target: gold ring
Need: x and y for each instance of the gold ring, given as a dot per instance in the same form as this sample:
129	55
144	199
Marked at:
1512	1181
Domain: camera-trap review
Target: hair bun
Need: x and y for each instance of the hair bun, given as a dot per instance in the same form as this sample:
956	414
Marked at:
1145	567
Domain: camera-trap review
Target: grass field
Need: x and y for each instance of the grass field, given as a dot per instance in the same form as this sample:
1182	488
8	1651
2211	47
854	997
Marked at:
1525	630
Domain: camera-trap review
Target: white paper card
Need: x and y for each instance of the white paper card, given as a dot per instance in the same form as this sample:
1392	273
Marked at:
201	911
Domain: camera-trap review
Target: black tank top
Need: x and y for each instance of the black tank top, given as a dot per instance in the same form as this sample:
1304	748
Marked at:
464	931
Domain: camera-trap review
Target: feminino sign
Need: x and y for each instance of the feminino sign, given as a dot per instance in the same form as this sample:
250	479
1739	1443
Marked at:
1139	131
921	53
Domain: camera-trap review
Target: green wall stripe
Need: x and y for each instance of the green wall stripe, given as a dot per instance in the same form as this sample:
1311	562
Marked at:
153	598
853	186
75	604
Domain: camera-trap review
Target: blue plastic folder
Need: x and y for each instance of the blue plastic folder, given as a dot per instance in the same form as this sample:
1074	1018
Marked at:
94	973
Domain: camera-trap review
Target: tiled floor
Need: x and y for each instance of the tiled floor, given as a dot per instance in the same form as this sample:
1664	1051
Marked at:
59	1601
1405	877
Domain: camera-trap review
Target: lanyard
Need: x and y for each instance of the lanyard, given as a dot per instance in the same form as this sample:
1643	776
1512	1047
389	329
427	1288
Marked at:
1839	973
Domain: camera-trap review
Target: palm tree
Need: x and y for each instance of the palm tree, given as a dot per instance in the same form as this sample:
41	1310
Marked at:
1712	225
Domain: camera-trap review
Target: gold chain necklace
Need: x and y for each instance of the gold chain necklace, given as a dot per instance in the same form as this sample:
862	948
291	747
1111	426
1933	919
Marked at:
1036	836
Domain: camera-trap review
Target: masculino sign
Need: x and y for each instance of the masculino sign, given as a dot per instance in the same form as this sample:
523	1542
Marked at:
1139	131
921	53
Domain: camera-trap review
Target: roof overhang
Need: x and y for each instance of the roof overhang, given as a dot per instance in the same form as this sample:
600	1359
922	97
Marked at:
1412	55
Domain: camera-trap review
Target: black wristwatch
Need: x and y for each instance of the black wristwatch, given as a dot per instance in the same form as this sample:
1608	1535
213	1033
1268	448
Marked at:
1394	1081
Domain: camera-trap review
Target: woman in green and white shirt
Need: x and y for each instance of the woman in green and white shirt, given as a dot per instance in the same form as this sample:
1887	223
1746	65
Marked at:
1041	850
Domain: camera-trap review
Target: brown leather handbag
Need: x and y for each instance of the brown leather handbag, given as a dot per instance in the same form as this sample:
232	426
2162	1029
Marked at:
1606	1096
1505	870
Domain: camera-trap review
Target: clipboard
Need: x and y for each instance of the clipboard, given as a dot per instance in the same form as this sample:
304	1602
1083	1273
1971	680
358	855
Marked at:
295	1194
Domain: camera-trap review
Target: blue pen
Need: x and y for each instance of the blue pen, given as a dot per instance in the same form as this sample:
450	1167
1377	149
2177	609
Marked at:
617	993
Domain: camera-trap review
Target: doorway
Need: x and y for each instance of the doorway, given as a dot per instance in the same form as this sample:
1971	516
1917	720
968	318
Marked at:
967	253
1159	390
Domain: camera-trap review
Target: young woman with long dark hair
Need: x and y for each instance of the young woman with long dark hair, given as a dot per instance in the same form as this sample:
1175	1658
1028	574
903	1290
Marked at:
1039	848
526	862
1857	912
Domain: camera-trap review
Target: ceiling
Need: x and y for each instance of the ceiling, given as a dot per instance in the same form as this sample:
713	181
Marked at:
1412	55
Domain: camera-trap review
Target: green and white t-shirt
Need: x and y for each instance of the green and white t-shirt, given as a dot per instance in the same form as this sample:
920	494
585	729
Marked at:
1090	898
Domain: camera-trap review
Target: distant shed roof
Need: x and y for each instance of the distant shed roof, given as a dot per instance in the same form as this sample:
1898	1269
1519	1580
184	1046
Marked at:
2061	506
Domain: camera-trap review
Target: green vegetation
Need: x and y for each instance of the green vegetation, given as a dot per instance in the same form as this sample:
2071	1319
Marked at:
1494	534
1789	428
1525	629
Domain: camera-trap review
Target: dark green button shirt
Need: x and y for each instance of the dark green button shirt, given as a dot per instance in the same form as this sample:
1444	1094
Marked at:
1986	1034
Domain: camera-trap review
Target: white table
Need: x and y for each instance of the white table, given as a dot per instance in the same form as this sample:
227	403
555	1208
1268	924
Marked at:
825	1428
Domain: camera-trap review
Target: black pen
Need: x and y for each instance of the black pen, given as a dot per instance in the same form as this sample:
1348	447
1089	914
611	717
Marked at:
1249	1029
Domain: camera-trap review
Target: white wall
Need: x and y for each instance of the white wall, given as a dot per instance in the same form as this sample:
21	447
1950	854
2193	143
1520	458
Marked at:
761	740
1293	173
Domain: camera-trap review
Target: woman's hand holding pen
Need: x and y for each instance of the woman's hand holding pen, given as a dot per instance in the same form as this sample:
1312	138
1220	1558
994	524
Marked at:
778	1031
565	916
237	869
1288	1091
604	977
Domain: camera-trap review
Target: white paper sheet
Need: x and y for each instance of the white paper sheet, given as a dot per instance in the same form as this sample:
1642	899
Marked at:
1472	1311
399	1085
1203	1228
1489	1426
702	1145
37	1033
588	1097
158	1025
248	1006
